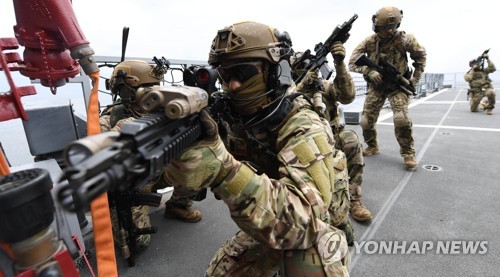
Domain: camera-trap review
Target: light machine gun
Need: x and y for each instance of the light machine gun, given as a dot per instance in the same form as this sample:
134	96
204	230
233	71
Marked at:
390	74
319	61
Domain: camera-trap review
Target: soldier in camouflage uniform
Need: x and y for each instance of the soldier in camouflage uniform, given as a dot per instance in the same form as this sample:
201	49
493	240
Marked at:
391	45
275	166
480	85
328	95
126	78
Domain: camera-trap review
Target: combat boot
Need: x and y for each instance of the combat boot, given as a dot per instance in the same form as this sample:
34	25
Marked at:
186	214
489	112
410	162
371	150
359	212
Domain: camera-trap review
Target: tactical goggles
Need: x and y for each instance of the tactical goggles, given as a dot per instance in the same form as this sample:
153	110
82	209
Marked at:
388	27
240	72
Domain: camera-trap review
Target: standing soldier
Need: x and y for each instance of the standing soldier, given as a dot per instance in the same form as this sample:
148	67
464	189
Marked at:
275	166
480	84
390	45
126	78
341	90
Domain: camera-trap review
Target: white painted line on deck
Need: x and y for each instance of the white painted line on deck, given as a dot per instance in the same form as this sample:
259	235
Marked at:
448	127
386	208
413	104
443	102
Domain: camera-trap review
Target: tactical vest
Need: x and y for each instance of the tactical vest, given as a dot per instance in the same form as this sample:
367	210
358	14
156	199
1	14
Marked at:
393	51
258	146
117	113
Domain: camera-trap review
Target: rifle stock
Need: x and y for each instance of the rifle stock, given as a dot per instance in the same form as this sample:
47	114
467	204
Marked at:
319	61
390	74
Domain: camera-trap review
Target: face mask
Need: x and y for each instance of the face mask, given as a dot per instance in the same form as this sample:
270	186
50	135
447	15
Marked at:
249	98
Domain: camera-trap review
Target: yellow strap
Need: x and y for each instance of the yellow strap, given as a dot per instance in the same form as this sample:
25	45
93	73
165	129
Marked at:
101	220
307	157
240	180
326	149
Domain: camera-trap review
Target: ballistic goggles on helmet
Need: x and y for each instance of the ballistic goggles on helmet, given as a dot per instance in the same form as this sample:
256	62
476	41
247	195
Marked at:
387	27
240	72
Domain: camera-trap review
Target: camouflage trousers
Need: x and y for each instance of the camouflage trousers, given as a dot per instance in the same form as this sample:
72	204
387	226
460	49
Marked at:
403	130
182	197
141	219
340	204
476	95
348	142
244	256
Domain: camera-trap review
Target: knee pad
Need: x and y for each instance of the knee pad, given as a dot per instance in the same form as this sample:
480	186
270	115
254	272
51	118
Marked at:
400	120
350	141
489	93
349	136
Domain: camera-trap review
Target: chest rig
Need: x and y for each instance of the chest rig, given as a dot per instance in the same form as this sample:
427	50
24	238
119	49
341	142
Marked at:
256	143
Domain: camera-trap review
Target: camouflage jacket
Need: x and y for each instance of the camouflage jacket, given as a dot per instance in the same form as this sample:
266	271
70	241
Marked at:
299	187
393	51
113	117
341	90
478	77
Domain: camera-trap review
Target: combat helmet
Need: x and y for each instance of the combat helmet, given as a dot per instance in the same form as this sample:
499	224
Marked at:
243	44
387	16
249	40
130	75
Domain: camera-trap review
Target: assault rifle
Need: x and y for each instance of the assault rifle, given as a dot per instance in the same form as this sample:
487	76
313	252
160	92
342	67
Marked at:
129	159
319	61
480	60
390	74
124	201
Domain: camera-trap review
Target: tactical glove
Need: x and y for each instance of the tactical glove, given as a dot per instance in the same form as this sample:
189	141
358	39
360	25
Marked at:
375	77
205	164
338	52
310	83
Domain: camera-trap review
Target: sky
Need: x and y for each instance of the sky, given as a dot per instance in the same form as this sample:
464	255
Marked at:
453	32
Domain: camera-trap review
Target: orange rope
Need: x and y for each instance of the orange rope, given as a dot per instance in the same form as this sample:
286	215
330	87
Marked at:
103	234
4	166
